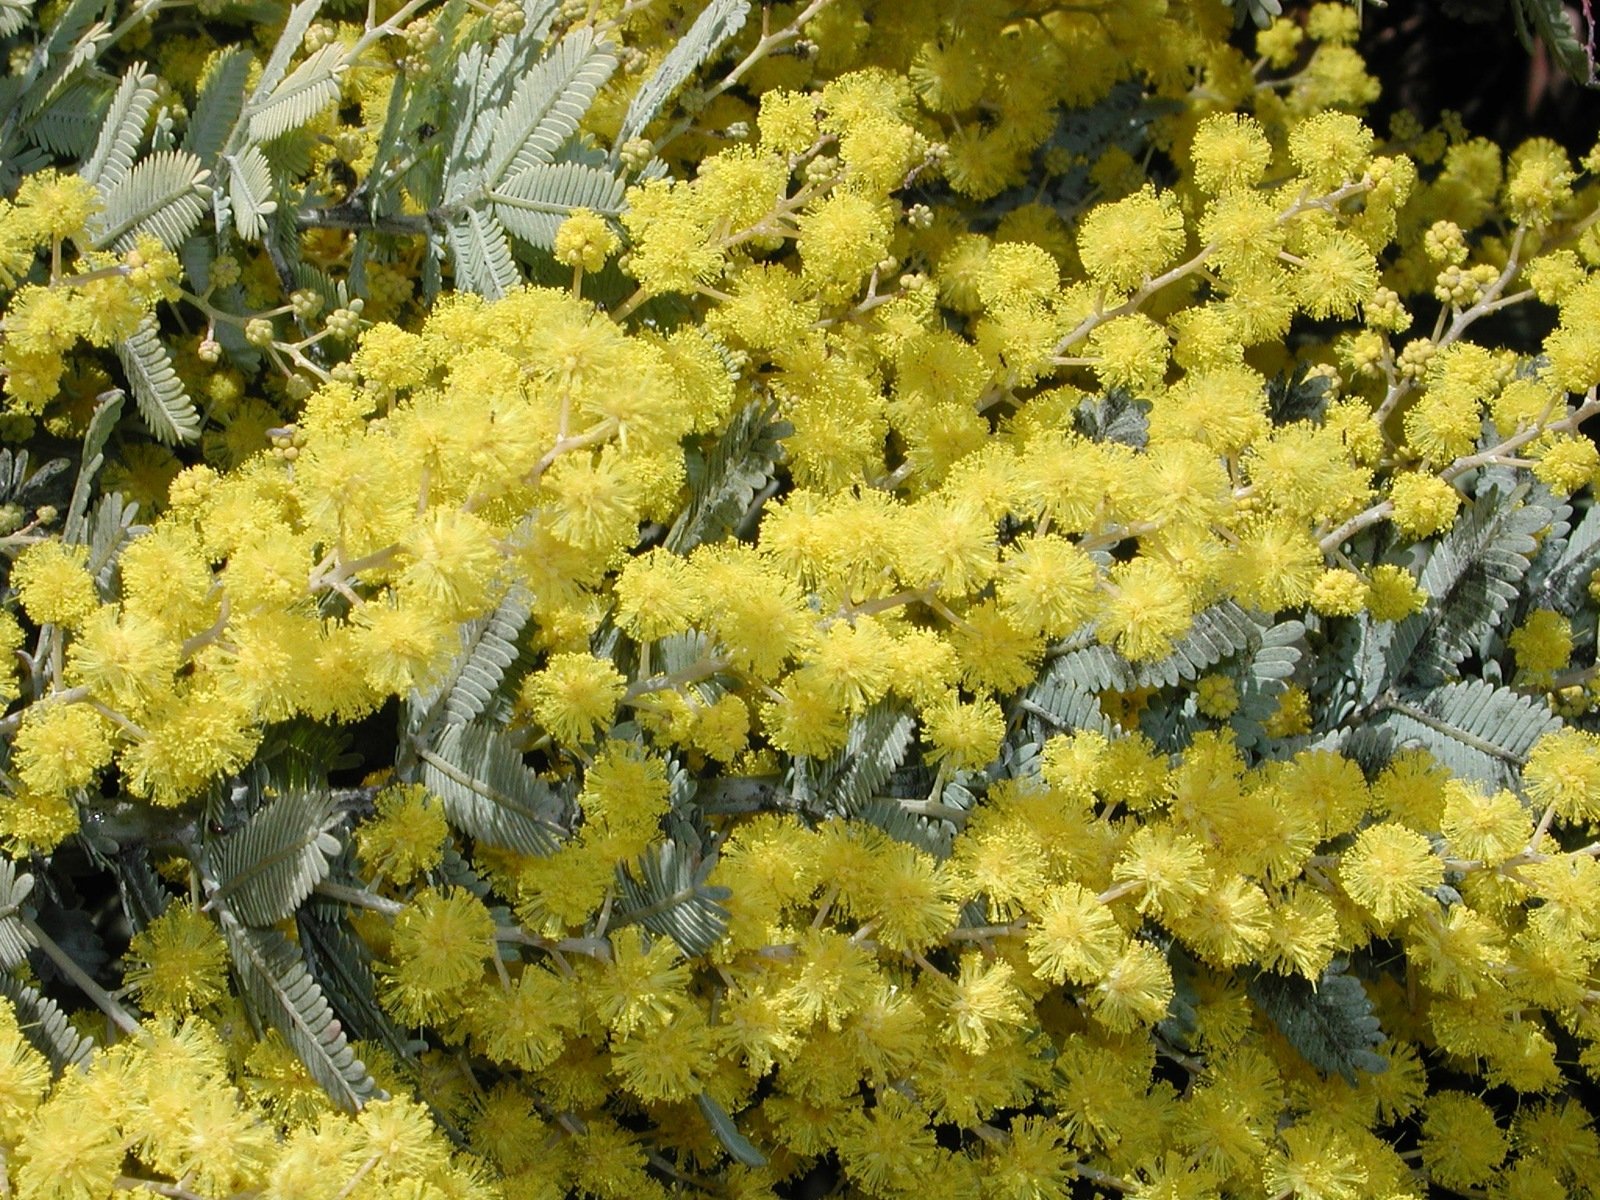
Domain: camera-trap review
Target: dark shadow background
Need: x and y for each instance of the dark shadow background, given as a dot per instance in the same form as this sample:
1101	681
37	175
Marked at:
1464	55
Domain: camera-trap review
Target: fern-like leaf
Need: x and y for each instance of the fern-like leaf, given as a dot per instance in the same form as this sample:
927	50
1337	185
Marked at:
1471	578
101	423
1330	1022
717	23
250	192
69	126
297	99
547	104
487	654
112	526
723	481
1217	632
218	106
875	747
482	256
15	940
14	14
489	793
164	195
264	870
163	402
671	898
341	964
122	130
275	983
533	203
44	1023
290	37
1264	677
1476	729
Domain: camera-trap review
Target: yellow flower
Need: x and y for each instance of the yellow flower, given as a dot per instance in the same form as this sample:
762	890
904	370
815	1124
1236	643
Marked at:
178	963
406	836
585	240
575	696
1389	871
1462	1144
54	584
1124	243
1073	936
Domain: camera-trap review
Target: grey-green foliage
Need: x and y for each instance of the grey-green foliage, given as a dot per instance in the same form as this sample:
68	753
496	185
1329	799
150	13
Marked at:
264	870
1330	1022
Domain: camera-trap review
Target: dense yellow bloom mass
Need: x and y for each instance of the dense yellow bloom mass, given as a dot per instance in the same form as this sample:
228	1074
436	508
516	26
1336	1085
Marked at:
918	656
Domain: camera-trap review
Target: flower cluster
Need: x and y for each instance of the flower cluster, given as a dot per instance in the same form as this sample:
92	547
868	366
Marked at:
856	649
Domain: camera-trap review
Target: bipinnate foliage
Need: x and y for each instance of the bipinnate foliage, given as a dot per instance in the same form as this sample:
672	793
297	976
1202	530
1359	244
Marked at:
850	598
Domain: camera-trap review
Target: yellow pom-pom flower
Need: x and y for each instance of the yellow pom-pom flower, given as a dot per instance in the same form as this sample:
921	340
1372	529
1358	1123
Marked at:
1389	870
575	696
178	963
54	583
1124	243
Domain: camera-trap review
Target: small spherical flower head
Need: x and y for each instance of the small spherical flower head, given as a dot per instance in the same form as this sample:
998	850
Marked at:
1424	504
60	747
1124	243
258	332
407	834
1135	991
1566	462
967	737
1389	872
1018	273
1563	770
1484	827
1339	593
1462	1143
585	240
440	944
178	963
56	204
1279	42
575	697
1148	608
1130	352
1330	148
1216	696
54	583
1336	23
1539	180
1073	936
1543	642
1336	276
1230	152
1393	593
1445	244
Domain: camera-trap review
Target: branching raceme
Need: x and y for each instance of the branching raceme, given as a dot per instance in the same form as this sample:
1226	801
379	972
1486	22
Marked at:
729	602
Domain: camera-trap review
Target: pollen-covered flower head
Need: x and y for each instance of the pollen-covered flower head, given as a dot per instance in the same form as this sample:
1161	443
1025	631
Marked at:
1125	242
178	963
1230	152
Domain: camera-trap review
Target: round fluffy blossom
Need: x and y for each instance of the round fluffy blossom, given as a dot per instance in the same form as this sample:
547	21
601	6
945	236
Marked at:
966	736
575	696
1073	936
1423	504
1543	642
54	583
1564	769
585	240
1388	871
407	834
1339	593
60	747
1393	594
1229	152
1330	148
1124	243
1462	1145
178	963
441	942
